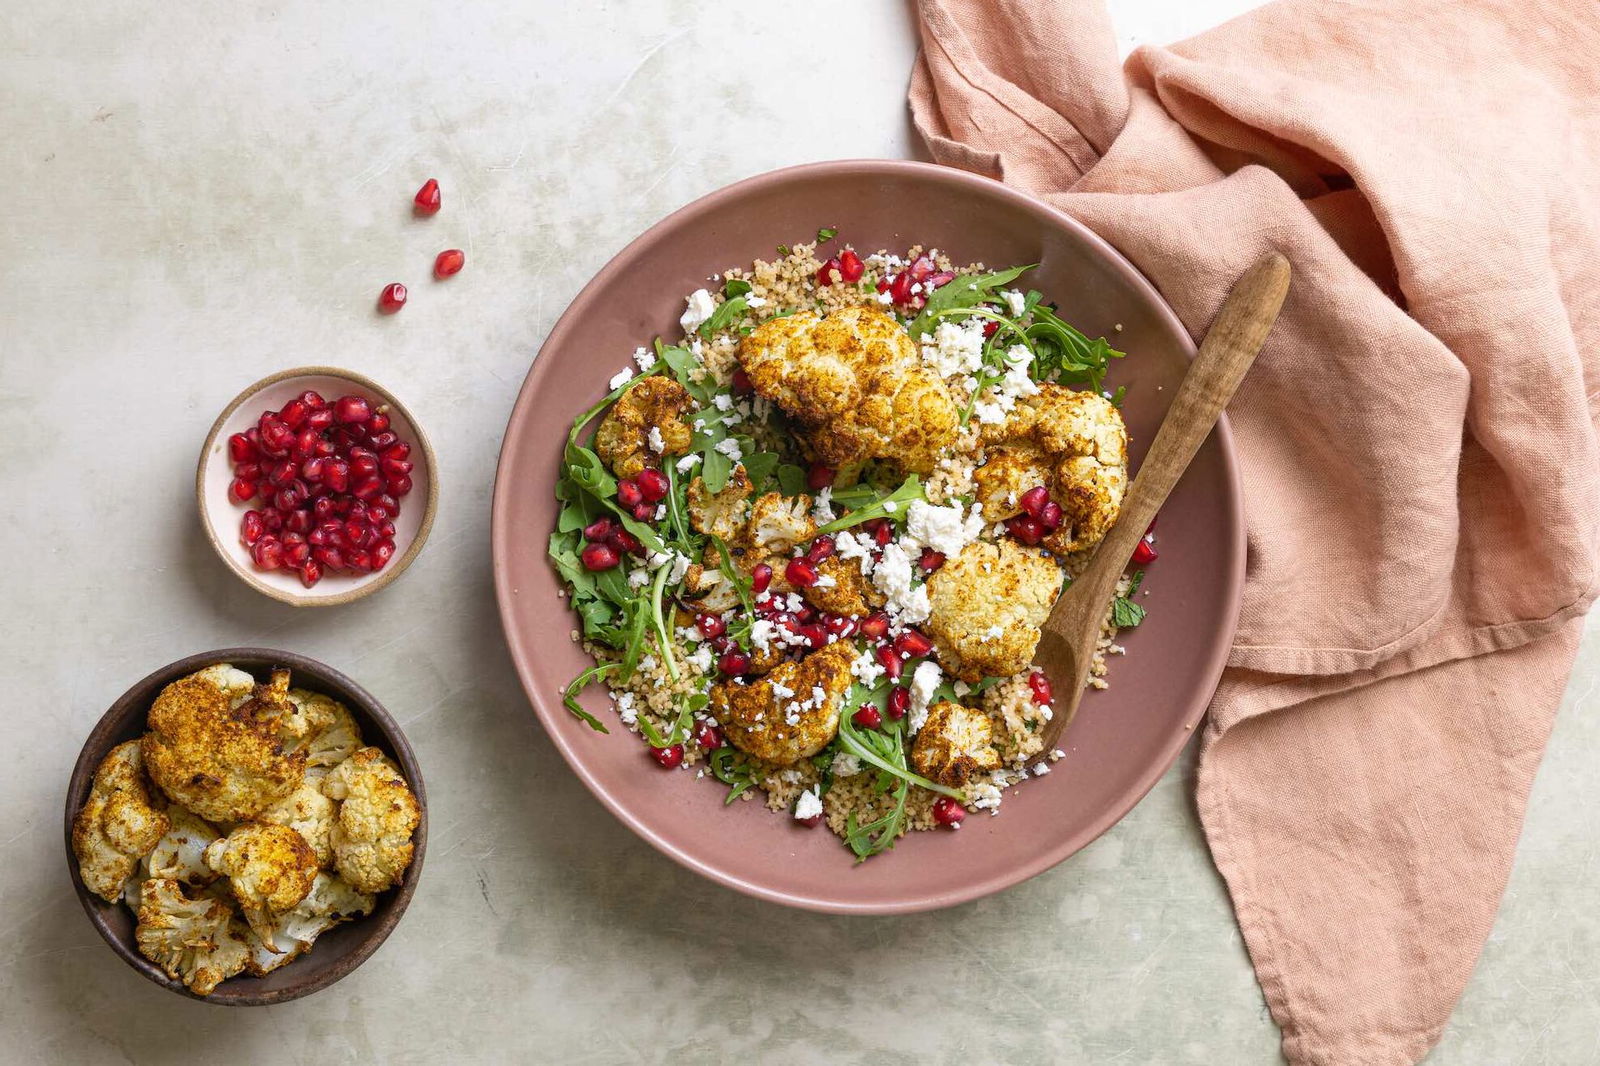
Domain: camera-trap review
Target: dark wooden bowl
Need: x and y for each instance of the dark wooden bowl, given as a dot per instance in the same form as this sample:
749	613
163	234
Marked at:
339	950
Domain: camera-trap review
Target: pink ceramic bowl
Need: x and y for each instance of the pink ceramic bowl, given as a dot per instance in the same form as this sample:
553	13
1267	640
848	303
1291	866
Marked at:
1122	740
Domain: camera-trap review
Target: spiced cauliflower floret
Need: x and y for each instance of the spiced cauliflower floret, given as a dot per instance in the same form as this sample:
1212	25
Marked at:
196	941
222	759
117	825
308	812
270	868
180	853
290	934
721	513
778	523
793	712
371	836
986	606
954	744
853	387
1073	443
648	414
842	589
332	735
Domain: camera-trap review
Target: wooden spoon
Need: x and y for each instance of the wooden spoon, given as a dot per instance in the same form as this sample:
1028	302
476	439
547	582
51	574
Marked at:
1066	648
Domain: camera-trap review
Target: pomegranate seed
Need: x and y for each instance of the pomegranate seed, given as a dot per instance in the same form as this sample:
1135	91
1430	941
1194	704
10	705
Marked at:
628	493
733	662
289	497
820	549
930	560
276	438
268	553
322	508
377	423
358	559
448	262
1144	552
884	534
828	273
811	822
944	277
800	573
394	469
721	644
599	529
850	265
320	419
298	522
624	541
358	533
362	463
382	552
329	557
350	409
644	511
1025	528
241	450
599	557
390	504
382	442
652	484
249	471
294	414
312	399
392	298
921	268
273	520
760	578
296	555
383	530
1034	499
947	811
1050	516
710	625
912	644
741	383
310	572
875	626
819	477
840	625
283	473
242	489
900	288
251	527
401	450
367	488
814	635
899	702
867	717
890	661
1042	693
708	736
989	328
305	443
336	475
806	613
427	201
312	470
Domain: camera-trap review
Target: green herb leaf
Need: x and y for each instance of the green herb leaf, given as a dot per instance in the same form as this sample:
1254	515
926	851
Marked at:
962	292
783	249
791	479
892	506
735	287
724	316
826	234
570	697
1125	614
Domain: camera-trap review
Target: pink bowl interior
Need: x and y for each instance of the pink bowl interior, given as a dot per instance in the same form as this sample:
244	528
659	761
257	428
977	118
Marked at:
1122	740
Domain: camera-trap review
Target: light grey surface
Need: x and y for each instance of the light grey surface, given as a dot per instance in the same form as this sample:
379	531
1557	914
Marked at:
198	194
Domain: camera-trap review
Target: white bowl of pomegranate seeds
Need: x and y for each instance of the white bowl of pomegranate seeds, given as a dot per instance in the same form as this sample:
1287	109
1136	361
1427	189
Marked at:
316	486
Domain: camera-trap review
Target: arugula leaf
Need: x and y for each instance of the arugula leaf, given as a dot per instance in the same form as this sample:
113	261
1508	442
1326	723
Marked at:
758	466
569	698
1125	614
791	479
734	769
724	316
735	287
884	748
892	506
783	250
961	292
826	234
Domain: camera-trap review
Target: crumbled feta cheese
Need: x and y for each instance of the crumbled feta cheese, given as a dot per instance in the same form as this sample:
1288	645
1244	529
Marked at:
625	708
955	348
885	298
890	507
892	576
752	301
762	633
924	680
622	377
822	506
1015	301
1041	769
648	663
701	658
687	463
657	443
985	795
730	447
680	567
699	307
818	696
722	401
781	691
825	581
944	529
994	632
809	805
961	688
865	667
661	511
644	359
845	765
638	577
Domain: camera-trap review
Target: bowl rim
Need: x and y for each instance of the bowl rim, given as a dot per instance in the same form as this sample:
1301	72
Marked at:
366	587
98	743
546	709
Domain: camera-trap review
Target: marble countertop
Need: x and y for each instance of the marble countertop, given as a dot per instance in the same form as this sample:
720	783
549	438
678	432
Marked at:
196	195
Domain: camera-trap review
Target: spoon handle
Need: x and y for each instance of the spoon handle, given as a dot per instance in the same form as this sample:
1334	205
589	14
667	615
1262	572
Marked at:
1225	355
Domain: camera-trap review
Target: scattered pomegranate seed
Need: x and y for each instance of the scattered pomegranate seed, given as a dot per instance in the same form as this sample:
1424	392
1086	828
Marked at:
268	552
241	450
890	660
840	625
652	484
1144	552
721	644
899	702
850	265
733	662
1034	499
251	529
760	578
811	822
427	200
819	477
820	549
329	556
921	268
599	529
1050	516
708	736
989	328
242	489
624	541
800	573
867	717
377	422
349	409
828	273
1025	528
448	262
1043	695
644	510
310	572
670	758
741	383
912	644
900	288
710	625
943	277
883	534
392	298
294	414
399	486
930	560
600	557
628	493
947	811
875	626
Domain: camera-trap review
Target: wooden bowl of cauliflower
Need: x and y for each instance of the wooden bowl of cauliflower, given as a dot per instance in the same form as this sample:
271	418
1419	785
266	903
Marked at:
245	826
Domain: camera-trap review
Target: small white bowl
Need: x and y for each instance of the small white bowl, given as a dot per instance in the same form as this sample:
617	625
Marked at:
221	515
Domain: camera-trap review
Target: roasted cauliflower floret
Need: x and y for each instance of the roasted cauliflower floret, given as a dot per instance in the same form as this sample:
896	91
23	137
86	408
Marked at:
986	607
308	812
269	867
291	934
853	387
180	855
196	941
793	712
332	734
842	589
371	837
722	513
954	744
1073	443
223	760
117	824
778	523
655	403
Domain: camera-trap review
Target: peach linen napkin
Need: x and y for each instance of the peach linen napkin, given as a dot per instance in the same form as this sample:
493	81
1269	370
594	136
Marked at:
1417	441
